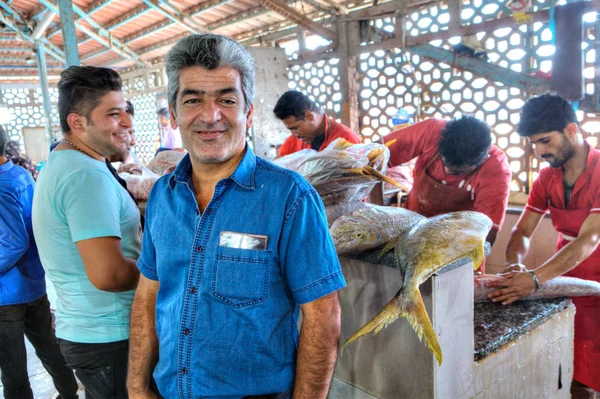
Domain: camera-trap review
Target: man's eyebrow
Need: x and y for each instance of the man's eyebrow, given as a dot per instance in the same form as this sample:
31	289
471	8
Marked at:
543	138
226	90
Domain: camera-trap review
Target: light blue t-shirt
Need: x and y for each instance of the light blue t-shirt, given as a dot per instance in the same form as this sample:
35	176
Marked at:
77	198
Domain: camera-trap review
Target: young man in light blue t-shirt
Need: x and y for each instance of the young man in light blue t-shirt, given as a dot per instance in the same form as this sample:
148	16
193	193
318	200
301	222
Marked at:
88	231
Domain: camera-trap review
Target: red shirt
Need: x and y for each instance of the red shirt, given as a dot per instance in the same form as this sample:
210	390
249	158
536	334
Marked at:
292	144
490	183
548	190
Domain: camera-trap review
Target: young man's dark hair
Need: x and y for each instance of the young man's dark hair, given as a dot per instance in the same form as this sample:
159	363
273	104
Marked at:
130	110
465	141
545	113
80	90
3	141
296	104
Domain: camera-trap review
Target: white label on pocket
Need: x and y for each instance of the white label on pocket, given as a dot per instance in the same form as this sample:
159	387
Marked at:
230	239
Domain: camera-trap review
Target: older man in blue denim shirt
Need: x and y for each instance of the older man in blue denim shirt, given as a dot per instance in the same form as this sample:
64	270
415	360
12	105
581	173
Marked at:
24	307
234	248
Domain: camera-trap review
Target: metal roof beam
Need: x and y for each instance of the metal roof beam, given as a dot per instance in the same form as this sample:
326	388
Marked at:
95	6
173	13
123	19
16	17
92	8
293	15
192	12
101	34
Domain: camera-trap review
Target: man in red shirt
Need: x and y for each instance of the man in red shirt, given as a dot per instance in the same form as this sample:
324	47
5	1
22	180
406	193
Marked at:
570	190
310	127
457	169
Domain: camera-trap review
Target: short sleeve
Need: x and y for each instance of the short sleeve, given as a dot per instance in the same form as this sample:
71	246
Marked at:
147	261
538	197
413	141
309	261
288	147
91	204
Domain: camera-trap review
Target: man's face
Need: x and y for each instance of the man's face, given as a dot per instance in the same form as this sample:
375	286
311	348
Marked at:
107	129
211	114
457	170
304	129
553	147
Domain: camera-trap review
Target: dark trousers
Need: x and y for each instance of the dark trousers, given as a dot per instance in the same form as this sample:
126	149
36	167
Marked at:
580	391
101	368
34	321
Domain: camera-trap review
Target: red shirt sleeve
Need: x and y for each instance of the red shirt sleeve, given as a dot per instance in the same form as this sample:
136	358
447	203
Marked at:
340	131
414	140
538	196
493	188
288	147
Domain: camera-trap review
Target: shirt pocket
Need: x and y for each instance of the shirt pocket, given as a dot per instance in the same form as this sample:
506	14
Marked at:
241	276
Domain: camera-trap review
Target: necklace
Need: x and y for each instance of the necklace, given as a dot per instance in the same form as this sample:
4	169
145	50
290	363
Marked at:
79	148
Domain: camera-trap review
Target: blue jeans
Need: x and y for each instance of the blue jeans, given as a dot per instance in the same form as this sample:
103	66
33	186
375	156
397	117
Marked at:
101	368
34	321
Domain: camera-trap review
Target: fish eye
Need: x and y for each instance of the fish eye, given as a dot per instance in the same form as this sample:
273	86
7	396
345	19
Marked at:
359	235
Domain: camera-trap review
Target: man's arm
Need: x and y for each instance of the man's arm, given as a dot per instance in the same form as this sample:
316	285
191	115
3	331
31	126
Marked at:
143	343
318	347
105	265
520	284
413	140
14	239
518	244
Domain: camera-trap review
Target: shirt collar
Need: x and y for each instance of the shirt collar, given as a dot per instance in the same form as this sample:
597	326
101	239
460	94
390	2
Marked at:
6	167
242	176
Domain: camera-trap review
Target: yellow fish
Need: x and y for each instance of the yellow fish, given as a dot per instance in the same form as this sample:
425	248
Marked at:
427	247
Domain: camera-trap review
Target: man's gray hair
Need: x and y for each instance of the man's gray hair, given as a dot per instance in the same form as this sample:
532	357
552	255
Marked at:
3	141
210	51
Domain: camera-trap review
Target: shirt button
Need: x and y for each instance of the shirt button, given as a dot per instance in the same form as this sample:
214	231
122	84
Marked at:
197	212
193	290
186	331
184	371
198	248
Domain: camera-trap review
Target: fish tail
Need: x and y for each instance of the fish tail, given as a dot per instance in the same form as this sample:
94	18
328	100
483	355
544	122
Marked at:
477	255
368	170
407	304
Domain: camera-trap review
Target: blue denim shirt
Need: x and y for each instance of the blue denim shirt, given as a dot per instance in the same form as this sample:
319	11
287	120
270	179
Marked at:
226	317
21	273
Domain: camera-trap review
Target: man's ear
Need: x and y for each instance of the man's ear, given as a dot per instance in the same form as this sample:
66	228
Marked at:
172	120
249	117
309	116
76	122
571	130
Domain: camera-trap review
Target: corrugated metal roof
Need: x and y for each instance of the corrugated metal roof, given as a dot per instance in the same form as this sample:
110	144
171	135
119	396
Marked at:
146	29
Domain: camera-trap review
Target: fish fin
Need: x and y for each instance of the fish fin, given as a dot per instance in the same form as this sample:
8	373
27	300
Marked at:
368	170
478	254
390	143
409	306
387	248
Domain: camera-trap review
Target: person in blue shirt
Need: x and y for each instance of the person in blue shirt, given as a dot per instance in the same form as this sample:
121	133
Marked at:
88	230
234	248
24	306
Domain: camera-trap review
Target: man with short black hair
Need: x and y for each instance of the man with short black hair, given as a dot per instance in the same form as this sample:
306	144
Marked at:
570	190
310	126
24	306
88	230
457	168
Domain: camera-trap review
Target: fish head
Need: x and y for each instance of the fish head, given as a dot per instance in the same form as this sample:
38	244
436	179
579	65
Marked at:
352	235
